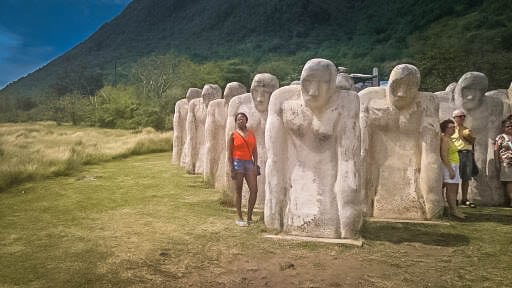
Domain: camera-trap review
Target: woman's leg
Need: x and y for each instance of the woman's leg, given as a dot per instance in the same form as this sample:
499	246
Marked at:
509	193
451	198
239	181
252	182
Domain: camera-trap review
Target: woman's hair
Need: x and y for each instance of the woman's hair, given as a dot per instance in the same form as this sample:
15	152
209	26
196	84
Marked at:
506	121
445	124
243	114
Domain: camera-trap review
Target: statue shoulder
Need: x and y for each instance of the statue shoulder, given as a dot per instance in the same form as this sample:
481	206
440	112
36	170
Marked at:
238	101
282	95
372	94
195	102
429	102
216	104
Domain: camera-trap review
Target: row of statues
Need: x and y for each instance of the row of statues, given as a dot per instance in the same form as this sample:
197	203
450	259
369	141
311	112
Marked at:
329	155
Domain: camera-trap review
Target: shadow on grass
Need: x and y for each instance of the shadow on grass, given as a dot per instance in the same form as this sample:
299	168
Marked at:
398	233
496	216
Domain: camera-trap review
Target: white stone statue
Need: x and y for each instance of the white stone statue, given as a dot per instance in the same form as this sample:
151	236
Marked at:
502	95
195	146
215	129
446	100
344	82
313	144
255	106
400	149
483	117
179	125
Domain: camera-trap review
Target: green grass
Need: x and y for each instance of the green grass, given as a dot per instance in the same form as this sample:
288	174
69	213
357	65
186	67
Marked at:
141	222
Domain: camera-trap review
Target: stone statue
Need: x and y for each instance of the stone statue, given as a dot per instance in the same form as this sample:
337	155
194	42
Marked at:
344	82
400	149
502	95
446	101
295	83
313	144
179	125
255	105
483	117
195	148
215	129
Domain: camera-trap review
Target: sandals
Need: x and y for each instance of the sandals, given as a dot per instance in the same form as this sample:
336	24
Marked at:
469	204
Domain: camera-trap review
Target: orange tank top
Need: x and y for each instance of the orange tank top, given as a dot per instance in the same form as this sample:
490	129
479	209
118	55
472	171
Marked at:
241	150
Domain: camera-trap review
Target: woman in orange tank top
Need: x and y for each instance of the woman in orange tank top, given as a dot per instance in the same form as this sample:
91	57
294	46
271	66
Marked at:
243	157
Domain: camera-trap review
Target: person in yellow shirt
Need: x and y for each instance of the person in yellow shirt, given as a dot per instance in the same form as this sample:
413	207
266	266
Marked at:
464	140
450	159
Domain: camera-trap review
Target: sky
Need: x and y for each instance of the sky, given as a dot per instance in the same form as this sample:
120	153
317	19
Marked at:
34	32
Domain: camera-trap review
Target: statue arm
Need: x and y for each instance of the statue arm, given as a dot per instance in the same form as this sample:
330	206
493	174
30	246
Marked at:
276	186
347	187
234	106
208	173
177	139
190	140
430	169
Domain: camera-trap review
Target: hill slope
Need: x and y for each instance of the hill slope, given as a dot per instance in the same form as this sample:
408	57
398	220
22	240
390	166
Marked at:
444	38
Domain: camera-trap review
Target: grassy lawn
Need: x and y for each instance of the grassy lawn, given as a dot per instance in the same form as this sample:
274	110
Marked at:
141	222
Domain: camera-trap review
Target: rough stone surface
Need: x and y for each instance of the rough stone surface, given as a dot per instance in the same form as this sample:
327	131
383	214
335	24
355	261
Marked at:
446	100
313	146
195	146
215	129
255	105
400	149
179	125
502	95
344	82
483	117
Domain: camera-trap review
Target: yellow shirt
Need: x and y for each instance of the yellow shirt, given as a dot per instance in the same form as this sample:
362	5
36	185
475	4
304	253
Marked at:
453	154
461	142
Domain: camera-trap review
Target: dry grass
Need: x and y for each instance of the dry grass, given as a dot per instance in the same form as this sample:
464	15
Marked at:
39	150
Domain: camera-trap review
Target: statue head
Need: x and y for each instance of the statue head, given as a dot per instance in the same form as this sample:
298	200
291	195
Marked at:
470	90
210	93
233	89
402	89
193	93
344	82
510	91
317	82
261	88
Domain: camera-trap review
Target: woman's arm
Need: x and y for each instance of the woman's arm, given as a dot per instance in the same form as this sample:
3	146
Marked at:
255	153
497	157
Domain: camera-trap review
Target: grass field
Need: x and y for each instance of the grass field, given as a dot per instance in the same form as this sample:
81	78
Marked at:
141	222
38	150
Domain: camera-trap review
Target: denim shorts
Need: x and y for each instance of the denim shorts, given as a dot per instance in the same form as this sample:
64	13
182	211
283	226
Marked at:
243	166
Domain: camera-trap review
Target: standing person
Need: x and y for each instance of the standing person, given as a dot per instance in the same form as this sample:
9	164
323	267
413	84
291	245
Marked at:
450	158
503	152
464	141
243	156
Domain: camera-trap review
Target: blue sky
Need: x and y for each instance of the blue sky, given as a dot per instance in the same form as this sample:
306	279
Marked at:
33	32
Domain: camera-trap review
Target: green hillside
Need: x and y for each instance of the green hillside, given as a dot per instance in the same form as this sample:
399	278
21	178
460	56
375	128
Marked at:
197	41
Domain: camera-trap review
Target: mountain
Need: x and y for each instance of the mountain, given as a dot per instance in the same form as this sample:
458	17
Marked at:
443	38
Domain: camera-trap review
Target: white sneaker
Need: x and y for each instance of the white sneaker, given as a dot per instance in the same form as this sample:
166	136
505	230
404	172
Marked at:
241	223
